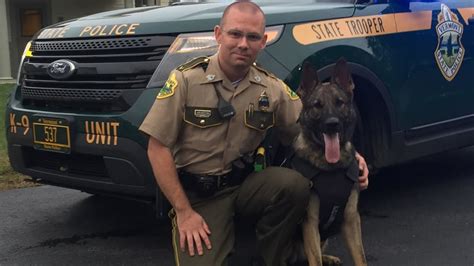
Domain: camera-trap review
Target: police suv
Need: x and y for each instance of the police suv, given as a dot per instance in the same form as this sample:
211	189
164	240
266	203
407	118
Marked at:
85	85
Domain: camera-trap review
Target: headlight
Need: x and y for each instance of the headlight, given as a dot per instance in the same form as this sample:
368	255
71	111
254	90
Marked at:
192	45
26	53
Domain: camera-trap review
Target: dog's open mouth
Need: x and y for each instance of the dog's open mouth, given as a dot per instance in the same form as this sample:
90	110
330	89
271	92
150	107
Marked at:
331	147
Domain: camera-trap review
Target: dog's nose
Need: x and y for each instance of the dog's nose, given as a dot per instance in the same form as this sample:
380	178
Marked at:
332	124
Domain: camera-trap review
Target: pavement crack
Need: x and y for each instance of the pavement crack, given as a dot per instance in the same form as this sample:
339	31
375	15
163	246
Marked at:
80	239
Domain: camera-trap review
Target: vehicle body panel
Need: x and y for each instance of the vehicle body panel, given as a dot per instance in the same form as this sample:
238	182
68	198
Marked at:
408	107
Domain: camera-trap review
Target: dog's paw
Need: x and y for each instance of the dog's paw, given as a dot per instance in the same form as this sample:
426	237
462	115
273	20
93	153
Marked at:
329	260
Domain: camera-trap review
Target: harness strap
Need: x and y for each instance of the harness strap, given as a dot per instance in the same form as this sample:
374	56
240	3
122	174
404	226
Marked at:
332	187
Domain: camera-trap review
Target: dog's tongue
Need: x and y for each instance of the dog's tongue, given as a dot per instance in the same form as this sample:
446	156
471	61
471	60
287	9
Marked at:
331	144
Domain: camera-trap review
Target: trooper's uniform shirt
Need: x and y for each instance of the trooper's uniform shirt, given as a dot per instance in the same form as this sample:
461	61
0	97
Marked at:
185	117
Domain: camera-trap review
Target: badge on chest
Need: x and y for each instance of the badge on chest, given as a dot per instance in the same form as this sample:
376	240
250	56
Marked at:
260	118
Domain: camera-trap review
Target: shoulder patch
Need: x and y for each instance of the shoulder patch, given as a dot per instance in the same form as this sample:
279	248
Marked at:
289	91
169	87
202	60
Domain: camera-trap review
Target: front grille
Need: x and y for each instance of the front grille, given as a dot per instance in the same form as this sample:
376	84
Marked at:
110	72
82	165
71	94
91	44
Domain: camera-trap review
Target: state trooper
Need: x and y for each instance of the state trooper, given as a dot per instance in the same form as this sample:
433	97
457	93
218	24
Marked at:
211	112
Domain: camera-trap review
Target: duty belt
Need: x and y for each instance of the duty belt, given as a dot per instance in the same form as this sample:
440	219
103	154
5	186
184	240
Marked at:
207	185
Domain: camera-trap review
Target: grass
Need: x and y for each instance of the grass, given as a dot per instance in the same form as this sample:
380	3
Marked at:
9	179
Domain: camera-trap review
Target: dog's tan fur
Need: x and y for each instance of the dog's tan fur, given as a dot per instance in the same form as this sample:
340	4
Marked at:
351	226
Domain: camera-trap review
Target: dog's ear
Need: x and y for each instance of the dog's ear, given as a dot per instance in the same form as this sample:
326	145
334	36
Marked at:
342	76
309	80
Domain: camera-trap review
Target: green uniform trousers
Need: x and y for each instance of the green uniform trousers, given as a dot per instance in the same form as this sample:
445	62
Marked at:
276	197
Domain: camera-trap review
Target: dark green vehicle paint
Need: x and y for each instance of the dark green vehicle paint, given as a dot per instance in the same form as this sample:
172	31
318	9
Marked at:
407	108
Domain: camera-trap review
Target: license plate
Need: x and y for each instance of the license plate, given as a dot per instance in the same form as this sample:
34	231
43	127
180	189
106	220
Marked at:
52	134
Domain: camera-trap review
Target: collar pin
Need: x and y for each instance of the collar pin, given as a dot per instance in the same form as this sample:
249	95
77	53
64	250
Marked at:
210	77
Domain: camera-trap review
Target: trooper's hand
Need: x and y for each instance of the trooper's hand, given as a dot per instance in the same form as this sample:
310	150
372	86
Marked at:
364	177
193	230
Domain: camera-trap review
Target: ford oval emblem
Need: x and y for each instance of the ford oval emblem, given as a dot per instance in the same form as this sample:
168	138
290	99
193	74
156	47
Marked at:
61	69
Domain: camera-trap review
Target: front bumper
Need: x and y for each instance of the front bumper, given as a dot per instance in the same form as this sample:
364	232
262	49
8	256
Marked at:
102	159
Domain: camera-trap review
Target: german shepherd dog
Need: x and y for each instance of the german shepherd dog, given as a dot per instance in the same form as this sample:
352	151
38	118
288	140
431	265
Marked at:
323	152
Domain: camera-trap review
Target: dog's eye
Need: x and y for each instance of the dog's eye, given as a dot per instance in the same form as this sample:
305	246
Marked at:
317	104
339	102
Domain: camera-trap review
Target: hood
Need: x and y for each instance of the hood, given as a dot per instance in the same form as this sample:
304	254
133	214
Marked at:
173	20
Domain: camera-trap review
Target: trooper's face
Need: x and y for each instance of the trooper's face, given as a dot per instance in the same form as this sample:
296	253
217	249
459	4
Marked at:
241	38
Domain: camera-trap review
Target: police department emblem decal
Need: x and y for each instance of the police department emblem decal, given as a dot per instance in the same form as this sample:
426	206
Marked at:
450	53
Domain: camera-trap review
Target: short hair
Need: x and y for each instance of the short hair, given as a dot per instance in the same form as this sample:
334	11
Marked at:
244	6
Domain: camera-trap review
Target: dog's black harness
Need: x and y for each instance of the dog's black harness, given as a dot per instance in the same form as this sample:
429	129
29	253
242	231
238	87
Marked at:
333	189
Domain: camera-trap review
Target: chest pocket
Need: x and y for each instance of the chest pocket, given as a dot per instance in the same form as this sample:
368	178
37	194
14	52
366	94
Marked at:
259	120
202	117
